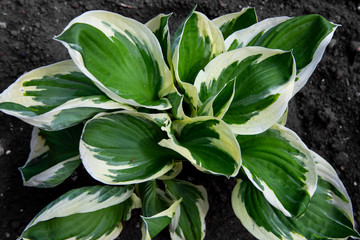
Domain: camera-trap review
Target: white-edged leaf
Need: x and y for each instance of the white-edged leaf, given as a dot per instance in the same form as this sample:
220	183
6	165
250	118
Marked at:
55	97
53	157
306	36
207	142
159	25
172	173
86	213
230	23
195	43
242	37
157	209
218	104
122	147
189	220
328	216
270	74
280	165
121	56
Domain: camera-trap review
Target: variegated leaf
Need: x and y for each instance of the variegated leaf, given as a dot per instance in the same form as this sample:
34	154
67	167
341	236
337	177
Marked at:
243	37
189	220
328	216
233	22
159	26
85	213
195	43
157	209
280	165
270	75
306	36
176	99
53	157
122	147
121	56
55	97
207	142
172	173
218	104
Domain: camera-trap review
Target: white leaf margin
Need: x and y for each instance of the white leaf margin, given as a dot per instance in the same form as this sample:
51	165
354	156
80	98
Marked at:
310	176
121	24
92	164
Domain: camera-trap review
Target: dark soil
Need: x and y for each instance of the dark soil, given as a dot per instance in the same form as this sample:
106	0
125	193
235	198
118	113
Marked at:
325	114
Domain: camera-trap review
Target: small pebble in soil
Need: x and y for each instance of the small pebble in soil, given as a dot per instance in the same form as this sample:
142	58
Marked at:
3	25
137	225
332	43
8	152
355	184
7	235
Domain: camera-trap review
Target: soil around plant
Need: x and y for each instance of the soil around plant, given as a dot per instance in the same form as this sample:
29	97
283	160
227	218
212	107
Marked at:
325	113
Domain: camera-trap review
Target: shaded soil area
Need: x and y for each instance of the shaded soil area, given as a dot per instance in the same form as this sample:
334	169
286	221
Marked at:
325	114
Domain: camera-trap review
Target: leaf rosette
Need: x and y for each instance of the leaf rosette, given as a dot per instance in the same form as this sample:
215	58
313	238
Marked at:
132	106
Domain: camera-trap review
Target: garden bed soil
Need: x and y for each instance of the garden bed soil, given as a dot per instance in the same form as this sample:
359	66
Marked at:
325	113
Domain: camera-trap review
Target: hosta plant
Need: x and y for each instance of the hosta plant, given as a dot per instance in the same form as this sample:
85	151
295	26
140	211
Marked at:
132	105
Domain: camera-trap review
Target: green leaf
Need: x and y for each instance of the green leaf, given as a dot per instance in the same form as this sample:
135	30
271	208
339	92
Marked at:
196	32
243	37
86	213
159	25
218	104
55	97
172	173
53	157
306	36
233	22
207	142
121	56
280	165
122	147
270	75
157	209
329	214
176	99
189	220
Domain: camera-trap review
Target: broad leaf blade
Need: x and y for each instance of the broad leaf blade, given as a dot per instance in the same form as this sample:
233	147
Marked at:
53	157
196	32
199	33
159	25
122	148
306	36
270	75
89	212
121	56
233	22
207	142
280	165
189	221
157	209
329	215
55	97
243	37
